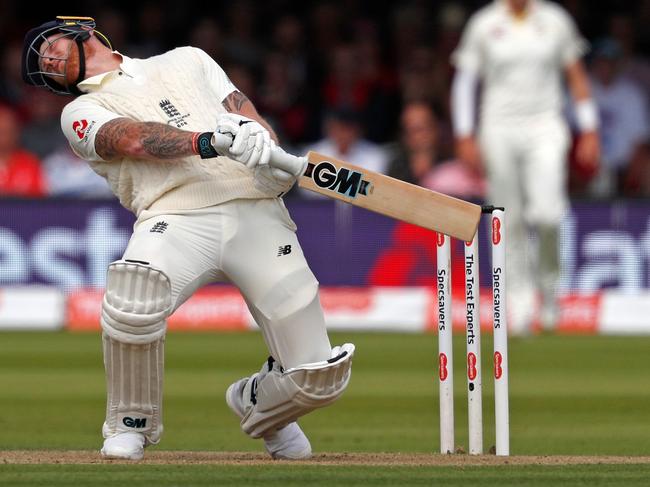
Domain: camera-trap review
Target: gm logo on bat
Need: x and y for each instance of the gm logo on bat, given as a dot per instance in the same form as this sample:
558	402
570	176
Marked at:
340	180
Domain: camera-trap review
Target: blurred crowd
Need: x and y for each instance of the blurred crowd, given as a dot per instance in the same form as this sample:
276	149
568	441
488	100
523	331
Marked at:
365	81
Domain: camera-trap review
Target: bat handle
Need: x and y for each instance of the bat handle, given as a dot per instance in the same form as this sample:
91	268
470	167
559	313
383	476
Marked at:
279	157
221	142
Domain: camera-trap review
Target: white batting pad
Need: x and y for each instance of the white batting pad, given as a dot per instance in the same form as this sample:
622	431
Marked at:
135	306
136	303
134	377
278	398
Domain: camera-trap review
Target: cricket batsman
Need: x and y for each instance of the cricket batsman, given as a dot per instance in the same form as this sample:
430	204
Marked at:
204	215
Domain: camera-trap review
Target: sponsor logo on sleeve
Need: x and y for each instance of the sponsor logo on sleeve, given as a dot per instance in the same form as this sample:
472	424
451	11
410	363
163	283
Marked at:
82	128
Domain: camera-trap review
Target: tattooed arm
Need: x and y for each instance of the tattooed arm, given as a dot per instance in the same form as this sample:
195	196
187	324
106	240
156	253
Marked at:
237	102
123	137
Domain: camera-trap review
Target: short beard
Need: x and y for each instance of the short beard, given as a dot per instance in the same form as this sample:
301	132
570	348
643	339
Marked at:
71	66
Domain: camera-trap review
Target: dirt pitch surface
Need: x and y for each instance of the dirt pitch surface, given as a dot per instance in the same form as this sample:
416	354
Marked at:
31	457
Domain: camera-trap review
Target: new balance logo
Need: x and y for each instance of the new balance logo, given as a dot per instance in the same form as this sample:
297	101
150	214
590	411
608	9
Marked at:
159	227
134	422
284	250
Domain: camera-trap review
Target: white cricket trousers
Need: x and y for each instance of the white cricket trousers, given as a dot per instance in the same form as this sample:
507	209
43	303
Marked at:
253	245
526	167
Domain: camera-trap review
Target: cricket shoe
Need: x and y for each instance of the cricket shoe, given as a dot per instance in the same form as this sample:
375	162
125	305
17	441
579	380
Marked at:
287	443
126	446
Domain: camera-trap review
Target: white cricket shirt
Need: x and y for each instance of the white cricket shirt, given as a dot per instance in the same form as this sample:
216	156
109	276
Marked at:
520	61
183	88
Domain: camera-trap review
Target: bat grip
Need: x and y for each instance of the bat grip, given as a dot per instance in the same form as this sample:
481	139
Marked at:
221	142
288	162
279	157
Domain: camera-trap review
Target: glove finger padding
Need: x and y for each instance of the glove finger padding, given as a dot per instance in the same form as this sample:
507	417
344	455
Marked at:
228	123
256	143
252	145
262	145
267	147
240	142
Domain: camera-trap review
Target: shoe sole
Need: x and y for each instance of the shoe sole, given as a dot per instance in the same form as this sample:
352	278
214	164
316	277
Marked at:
116	456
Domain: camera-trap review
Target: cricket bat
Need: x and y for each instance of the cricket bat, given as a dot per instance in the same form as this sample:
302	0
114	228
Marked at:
391	197
377	192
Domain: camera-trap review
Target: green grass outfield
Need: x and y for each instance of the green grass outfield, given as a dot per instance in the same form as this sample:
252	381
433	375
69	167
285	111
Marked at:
569	395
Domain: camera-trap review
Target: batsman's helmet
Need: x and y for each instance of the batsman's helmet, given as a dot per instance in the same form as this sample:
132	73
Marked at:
76	28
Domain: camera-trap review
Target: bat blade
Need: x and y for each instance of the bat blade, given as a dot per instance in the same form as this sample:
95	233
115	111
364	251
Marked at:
390	197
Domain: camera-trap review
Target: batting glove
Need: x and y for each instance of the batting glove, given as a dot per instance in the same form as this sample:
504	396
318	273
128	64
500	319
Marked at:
251	143
273	180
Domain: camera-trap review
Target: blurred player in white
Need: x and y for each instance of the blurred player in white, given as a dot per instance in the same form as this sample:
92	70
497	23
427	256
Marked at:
520	53
204	214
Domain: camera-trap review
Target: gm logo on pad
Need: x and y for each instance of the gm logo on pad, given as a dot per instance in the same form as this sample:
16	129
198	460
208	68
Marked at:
134	422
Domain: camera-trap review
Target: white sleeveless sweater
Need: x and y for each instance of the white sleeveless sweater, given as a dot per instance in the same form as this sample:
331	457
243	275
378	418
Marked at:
171	88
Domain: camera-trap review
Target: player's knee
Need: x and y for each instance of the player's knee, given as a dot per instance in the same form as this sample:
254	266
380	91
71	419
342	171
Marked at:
136	303
280	397
291	294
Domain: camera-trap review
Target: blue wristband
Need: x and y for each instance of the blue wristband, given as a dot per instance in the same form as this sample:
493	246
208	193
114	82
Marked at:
204	147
